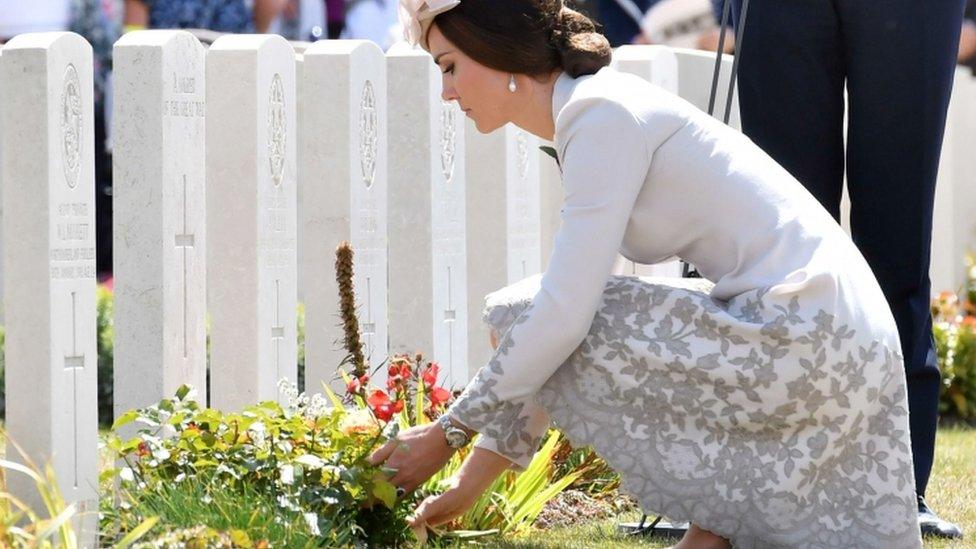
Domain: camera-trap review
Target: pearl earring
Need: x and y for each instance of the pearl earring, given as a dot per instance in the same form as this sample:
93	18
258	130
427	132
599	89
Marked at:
511	84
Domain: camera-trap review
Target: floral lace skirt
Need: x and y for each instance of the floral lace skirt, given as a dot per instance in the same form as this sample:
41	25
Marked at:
761	420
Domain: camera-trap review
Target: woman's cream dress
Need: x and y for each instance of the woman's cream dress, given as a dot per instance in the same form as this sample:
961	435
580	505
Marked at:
772	410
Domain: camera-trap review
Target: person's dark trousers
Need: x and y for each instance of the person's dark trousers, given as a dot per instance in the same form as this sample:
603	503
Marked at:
897	59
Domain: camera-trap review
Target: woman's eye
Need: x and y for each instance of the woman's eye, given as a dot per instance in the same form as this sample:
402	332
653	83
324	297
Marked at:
449	69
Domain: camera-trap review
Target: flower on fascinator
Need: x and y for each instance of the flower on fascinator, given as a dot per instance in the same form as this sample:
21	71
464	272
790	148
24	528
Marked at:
417	15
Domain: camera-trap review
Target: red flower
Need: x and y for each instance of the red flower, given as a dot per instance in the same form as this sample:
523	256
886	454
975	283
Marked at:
430	374
381	405
439	395
355	385
400	366
393	382
143	449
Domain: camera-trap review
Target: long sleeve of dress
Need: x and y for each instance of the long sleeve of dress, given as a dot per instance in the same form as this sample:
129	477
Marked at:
605	159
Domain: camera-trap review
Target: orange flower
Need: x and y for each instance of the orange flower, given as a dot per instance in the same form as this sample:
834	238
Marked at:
969	322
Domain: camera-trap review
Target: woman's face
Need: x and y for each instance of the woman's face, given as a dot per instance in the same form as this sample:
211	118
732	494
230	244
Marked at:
480	91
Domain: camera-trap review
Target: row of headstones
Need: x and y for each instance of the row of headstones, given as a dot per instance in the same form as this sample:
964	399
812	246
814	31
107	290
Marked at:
207	215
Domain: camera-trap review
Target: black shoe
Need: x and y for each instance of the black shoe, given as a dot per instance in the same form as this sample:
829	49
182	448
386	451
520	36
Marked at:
932	525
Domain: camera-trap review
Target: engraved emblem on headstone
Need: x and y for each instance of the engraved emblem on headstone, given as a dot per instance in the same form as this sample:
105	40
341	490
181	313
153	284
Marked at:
368	134
71	126
448	144
276	129
522	153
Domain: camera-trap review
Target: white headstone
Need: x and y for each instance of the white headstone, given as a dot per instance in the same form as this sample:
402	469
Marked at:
656	64
251	203
659	66
426	216
954	220
159	229
696	69
299	128
504	231
344	193
48	172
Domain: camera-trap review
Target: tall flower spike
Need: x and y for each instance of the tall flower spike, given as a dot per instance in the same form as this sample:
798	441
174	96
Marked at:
347	308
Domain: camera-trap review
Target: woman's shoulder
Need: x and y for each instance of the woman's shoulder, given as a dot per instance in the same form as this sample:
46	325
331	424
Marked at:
611	98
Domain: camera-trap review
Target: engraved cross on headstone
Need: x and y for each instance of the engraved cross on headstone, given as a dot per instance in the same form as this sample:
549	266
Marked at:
277	330
450	315
74	362
184	242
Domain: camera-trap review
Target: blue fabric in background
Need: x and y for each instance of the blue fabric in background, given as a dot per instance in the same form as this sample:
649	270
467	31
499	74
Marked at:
217	15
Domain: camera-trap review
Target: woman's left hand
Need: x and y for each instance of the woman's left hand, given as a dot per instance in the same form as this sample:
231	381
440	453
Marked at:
446	506
416	454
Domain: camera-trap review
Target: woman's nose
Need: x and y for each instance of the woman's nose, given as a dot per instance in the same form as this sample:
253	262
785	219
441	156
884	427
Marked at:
448	93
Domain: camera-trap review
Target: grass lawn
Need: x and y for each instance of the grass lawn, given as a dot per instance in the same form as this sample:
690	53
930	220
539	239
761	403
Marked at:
951	492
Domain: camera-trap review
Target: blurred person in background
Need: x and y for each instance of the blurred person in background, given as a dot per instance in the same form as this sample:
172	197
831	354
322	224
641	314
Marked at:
374	20
967	39
19	17
100	23
676	23
335	11
232	16
301	20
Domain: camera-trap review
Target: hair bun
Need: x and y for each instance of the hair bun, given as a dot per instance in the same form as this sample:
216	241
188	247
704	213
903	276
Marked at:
581	49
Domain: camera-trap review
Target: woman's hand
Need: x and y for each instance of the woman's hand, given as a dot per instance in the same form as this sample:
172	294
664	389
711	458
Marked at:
416	454
478	472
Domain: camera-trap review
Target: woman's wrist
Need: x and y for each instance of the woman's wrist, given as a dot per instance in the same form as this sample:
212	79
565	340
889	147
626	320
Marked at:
481	468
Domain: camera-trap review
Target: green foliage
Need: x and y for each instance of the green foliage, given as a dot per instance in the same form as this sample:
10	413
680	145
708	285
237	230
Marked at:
106	353
514	501
21	526
300	467
954	329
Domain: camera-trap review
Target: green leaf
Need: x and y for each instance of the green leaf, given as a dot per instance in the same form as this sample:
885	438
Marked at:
551	152
137	532
384	491
125	419
182	391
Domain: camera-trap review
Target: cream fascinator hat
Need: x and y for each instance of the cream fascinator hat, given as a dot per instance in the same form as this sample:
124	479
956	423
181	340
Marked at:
417	16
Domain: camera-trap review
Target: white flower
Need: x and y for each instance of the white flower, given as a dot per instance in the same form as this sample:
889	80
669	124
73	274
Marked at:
287	474
258	432
312	520
310	461
126	474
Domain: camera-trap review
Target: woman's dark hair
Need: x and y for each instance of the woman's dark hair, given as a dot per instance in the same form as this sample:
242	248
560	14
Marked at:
526	36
